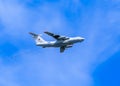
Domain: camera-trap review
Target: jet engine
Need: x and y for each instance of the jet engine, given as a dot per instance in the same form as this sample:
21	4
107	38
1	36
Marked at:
69	46
62	38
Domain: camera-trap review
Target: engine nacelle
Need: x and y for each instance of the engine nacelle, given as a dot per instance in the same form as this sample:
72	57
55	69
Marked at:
63	38
69	46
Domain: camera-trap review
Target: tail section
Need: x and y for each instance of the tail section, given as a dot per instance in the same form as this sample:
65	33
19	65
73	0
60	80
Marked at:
38	38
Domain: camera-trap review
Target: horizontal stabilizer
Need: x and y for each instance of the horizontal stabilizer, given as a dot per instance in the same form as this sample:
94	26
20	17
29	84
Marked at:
33	34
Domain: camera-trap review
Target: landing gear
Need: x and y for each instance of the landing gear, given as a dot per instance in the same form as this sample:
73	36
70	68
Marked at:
62	49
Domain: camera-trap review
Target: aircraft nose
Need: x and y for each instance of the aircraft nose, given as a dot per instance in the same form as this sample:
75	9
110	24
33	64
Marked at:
82	39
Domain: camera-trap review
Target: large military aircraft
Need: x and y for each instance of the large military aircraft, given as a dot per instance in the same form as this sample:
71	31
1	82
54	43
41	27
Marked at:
61	42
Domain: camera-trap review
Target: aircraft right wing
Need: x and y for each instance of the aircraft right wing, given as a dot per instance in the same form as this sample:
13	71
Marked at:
57	37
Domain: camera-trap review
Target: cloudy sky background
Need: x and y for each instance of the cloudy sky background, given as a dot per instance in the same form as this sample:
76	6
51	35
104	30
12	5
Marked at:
95	62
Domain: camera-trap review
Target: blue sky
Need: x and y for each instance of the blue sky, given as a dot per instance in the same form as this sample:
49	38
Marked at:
95	62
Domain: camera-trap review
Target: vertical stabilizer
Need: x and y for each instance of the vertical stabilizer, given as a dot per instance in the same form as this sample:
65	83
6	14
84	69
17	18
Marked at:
38	38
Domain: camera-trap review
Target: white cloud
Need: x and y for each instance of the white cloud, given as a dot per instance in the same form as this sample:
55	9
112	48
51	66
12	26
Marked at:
52	68
46	68
7	75
19	20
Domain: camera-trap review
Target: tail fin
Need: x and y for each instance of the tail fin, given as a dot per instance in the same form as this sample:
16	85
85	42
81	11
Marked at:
38	39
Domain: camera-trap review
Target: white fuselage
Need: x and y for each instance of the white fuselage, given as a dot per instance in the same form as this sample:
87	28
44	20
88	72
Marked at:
61	43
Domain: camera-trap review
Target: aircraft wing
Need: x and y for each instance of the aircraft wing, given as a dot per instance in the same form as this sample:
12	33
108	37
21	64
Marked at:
57	37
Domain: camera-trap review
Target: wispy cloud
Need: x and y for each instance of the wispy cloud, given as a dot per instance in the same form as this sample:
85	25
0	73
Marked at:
33	66
43	69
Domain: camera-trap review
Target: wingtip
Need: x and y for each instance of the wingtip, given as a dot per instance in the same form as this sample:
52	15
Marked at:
45	31
49	33
31	33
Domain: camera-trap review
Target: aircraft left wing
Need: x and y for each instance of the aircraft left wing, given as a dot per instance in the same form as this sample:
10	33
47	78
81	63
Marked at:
57	37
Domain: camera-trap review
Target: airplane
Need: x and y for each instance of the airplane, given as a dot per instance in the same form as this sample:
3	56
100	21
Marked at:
61	42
